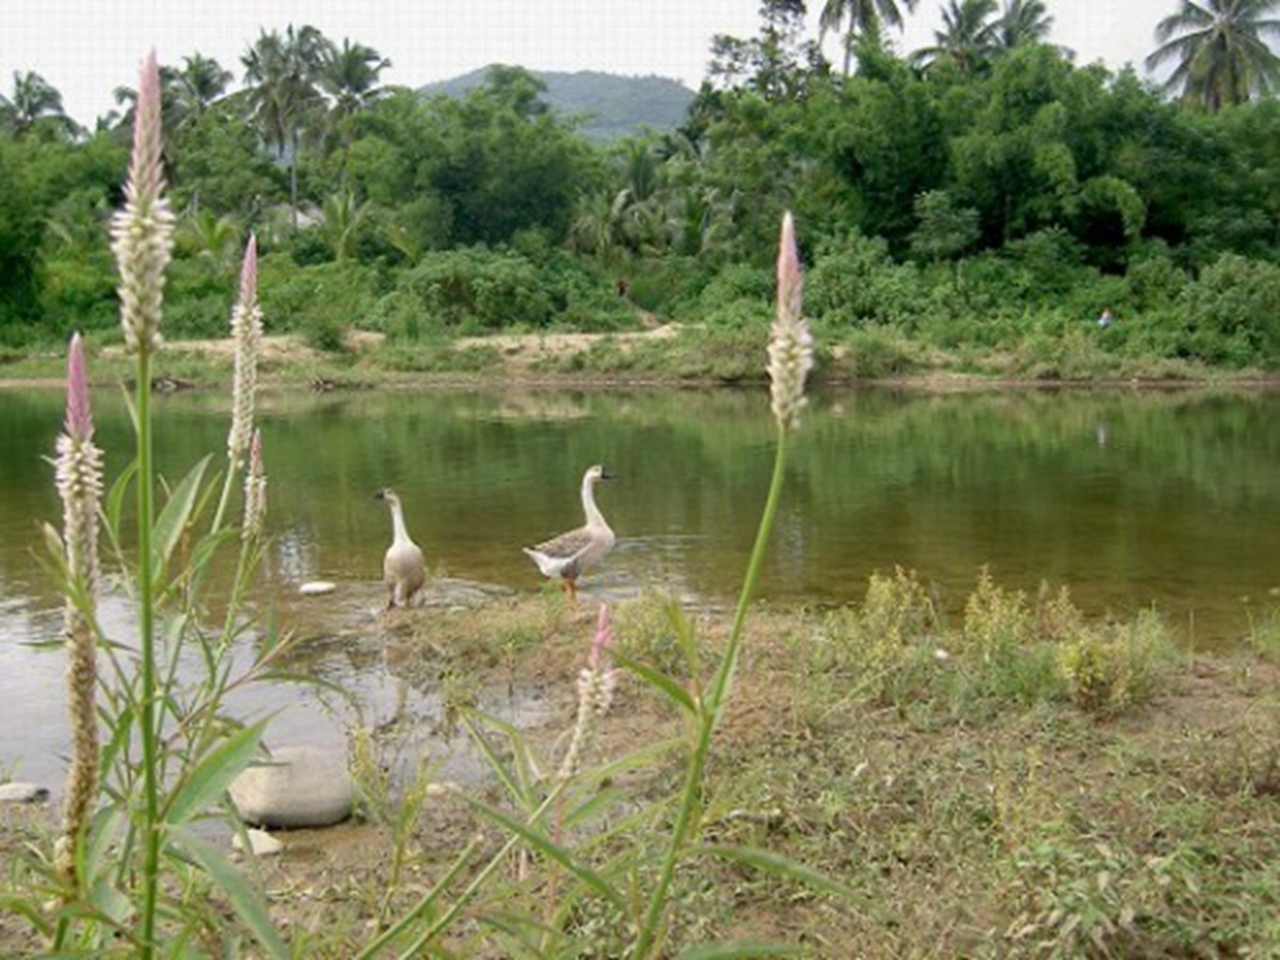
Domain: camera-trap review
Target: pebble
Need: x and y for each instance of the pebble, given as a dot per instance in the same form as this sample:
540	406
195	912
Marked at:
315	588
295	787
261	843
20	792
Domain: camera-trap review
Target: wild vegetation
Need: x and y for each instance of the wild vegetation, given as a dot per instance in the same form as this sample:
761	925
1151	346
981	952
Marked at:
873	777
974	205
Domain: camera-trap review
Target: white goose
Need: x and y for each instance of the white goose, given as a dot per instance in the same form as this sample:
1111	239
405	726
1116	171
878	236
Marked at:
403	568
572	554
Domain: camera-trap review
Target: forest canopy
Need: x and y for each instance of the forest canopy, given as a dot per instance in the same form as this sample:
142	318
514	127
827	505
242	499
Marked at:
982	192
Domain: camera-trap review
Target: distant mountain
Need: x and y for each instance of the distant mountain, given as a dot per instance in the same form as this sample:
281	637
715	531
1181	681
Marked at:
611	106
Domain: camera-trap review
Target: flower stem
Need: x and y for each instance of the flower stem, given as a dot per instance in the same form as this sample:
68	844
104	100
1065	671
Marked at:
150	733
711	711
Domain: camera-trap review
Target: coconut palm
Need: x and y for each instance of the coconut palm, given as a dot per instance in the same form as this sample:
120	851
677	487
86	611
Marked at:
284	94
966	38
1021	22
199	83
350	75
1221	51
863	17
341	217
35	102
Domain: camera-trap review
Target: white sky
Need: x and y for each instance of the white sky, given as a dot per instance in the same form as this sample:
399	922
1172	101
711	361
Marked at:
86	48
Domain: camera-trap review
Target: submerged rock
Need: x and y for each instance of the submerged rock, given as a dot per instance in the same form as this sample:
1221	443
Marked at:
295	787
20	792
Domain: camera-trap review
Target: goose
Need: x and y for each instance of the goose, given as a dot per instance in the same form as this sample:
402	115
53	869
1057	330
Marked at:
403	568
572	554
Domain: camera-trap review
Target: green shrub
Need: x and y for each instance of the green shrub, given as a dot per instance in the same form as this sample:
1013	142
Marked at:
315	300
1233	312
476	289
876	352
855	281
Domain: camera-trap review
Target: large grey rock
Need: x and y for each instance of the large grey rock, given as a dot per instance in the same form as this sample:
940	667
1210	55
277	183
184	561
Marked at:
296	787
20	792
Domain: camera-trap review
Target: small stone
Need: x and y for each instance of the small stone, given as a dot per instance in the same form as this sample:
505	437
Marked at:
315	588
295	787
20	792
261	843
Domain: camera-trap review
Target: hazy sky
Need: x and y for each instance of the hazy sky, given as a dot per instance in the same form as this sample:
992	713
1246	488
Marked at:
86	48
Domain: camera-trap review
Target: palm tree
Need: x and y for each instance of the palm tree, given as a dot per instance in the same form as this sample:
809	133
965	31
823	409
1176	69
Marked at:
284	95
864	17
34	102
199	83
1221	51
341	218
350	76
966	38
1022	22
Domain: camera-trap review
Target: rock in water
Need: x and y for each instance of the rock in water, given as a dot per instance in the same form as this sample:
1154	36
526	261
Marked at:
19	792
295	787
316	588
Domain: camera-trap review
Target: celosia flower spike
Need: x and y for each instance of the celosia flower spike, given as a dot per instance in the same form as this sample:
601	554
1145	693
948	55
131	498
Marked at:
790	342
78	475
603	641
596	685
246	334
79	417
255	490
142	233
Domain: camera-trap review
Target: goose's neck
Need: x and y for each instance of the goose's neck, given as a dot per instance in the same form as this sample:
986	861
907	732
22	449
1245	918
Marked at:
594	517
397	524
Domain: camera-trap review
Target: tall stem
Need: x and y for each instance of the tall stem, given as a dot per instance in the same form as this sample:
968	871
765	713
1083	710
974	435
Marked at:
711	711
146	625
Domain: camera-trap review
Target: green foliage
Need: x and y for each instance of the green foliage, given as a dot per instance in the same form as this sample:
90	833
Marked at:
475	289
1233	312
1114	668
854	281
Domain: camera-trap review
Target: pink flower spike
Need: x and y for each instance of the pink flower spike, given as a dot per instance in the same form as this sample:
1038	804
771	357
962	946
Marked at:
79	416
790	278
249	272
146	168
603	640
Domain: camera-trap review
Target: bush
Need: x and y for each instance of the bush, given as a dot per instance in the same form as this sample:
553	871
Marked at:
316	298
1233	312
878	352
855	281
476	289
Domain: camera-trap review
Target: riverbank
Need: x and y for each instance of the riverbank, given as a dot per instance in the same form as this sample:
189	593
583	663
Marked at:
1015	783
661	355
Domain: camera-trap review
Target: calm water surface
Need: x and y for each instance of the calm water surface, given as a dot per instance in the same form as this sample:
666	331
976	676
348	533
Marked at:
1132	499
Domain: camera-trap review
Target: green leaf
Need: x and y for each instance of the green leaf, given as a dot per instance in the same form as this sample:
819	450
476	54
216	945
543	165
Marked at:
205	784
244	899
117	494
730	949
782	866
547	848
518	786
686	637
660	682
176	514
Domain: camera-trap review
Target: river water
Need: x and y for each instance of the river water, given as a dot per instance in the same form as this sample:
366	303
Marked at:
1133	499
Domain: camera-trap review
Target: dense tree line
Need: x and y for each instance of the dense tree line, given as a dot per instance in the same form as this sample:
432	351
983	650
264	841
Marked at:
985	190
